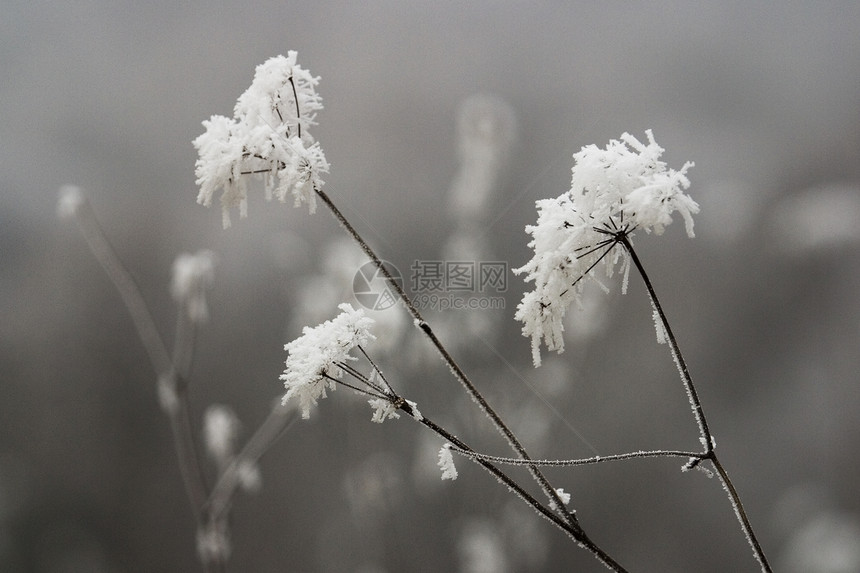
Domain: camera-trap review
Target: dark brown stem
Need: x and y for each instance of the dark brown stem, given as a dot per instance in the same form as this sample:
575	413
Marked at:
741	513
298	111
697	457
573	530
698	411
470	388
693	396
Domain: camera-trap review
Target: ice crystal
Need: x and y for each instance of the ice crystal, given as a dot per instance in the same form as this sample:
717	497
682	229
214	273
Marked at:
383	409
563	496
446	463
416	415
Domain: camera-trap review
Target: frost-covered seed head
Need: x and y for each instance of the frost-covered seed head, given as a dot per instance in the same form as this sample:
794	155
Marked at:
613	192
268	136
314	357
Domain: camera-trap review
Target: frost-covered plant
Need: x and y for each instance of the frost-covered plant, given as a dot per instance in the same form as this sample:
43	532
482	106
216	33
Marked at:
614	192
268	136
318	357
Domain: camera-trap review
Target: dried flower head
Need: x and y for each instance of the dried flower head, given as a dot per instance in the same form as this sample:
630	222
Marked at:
267	137
614	191
316	357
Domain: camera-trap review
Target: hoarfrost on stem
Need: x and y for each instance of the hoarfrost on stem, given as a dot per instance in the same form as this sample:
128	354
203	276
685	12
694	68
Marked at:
446	463
613	192
383	409
268	136
315	358
563	496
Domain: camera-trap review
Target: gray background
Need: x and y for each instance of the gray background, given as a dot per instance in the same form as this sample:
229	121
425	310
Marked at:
763	96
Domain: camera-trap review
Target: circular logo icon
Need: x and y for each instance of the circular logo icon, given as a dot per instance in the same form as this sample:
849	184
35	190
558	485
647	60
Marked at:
372	290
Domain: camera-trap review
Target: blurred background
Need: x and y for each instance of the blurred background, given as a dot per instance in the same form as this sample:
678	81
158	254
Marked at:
762	96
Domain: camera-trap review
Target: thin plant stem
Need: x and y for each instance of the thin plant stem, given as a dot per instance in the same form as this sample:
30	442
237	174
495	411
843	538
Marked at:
180	420
183	344
388	394
698	411
583	461
692	395
573	530
449	360
171	371
280	418
419	321
186	453
126	286
740	513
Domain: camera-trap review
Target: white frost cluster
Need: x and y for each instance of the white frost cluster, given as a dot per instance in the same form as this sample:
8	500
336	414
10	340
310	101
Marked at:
315	356
620	188
382	410
446	463
562	495
193	275
267	137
